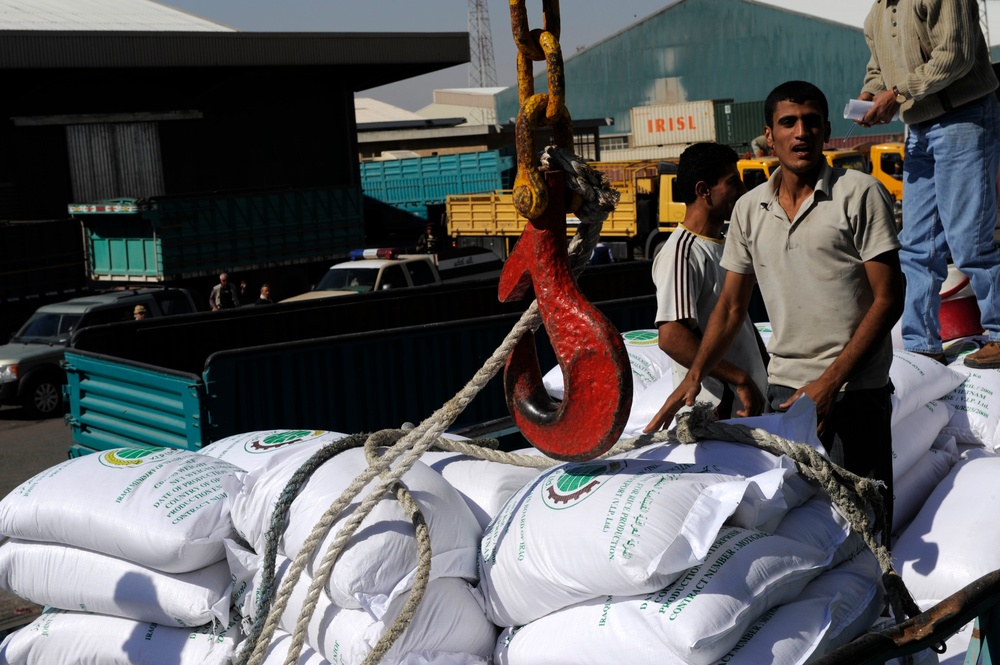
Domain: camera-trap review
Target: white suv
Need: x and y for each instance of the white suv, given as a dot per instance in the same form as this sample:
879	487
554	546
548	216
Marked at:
30	371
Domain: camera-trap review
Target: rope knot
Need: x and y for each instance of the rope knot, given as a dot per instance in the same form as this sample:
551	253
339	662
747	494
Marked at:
690	423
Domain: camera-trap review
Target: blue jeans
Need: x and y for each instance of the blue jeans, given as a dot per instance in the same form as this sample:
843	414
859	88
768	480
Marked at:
950	207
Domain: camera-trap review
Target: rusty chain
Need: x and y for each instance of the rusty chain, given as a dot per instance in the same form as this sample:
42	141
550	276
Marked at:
537	110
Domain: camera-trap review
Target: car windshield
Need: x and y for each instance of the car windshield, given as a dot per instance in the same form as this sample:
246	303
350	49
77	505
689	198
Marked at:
348	279
48	328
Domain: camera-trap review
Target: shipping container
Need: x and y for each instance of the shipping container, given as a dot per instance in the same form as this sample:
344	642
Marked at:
738	123
667	124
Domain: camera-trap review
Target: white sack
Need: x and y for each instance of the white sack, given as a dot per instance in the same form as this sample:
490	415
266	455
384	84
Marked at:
976	403
646	404
745	461
911	491
252	450
380	559
948	544
484	485
696	620
58	637
277	652
593	529
71	578
449	621
647	361
918	379
835	607
161	508
914	435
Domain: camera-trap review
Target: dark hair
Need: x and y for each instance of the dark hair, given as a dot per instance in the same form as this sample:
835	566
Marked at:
798	92
707	162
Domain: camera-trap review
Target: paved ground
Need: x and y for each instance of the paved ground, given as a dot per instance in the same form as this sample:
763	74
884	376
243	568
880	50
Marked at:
27	447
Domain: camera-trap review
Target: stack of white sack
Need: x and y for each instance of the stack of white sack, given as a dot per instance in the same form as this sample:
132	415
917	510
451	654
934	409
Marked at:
680	554
375	572
949	544
126	548
923	448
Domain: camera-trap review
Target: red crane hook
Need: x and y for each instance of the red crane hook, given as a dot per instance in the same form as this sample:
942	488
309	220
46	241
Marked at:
596	373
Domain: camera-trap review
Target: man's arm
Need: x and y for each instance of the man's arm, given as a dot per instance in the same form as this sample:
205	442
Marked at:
723	326
886	280
681	344
952	26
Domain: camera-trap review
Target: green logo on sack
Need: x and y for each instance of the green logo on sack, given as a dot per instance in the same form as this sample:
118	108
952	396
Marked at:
640	338
124	458
279	439
573	484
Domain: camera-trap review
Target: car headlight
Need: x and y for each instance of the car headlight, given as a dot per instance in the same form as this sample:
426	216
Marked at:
8	372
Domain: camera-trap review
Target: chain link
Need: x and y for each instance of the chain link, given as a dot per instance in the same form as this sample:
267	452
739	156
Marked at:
531	195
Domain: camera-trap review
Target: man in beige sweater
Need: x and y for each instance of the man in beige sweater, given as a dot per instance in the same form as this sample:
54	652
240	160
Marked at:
931	64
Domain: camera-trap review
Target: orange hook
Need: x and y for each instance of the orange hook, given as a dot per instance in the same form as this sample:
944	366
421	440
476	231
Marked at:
596	373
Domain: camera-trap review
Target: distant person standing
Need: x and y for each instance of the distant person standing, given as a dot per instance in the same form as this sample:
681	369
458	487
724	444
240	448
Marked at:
428	241
224	295
759	147
930	62
265	296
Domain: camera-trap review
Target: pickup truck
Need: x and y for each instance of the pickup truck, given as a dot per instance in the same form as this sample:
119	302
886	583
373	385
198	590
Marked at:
30	372
383	269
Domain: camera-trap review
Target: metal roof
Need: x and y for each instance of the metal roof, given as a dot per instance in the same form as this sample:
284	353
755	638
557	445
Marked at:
29	49
142	34
103	15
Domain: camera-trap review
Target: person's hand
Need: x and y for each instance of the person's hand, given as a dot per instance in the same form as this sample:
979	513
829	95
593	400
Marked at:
824	396
884	107
751	398
684	395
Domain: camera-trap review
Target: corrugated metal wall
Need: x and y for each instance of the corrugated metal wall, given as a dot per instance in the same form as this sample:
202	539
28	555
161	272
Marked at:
710	50
113	160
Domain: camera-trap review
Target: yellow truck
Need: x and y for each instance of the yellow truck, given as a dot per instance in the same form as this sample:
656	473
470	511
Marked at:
646	212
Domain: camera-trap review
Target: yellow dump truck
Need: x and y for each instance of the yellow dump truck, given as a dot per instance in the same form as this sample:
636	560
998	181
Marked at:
646	212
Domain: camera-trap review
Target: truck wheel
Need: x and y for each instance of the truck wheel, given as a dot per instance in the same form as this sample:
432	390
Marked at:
43	397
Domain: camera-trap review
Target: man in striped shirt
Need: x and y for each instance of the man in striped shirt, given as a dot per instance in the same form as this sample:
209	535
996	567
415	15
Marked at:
689	278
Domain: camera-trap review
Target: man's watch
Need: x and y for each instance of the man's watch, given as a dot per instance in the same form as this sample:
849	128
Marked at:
900	97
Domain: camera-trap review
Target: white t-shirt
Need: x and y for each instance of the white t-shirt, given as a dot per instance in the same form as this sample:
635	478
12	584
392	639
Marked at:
688	281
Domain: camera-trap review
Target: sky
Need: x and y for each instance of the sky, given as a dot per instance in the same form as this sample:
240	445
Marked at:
584	23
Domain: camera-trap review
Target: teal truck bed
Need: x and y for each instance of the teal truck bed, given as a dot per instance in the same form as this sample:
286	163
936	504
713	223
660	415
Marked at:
180	237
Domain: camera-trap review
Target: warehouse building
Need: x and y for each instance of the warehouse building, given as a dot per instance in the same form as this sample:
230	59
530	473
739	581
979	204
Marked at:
729	52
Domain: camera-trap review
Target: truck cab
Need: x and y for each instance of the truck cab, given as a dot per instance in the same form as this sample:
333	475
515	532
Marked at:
30	371
846	158
886	165
756	170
